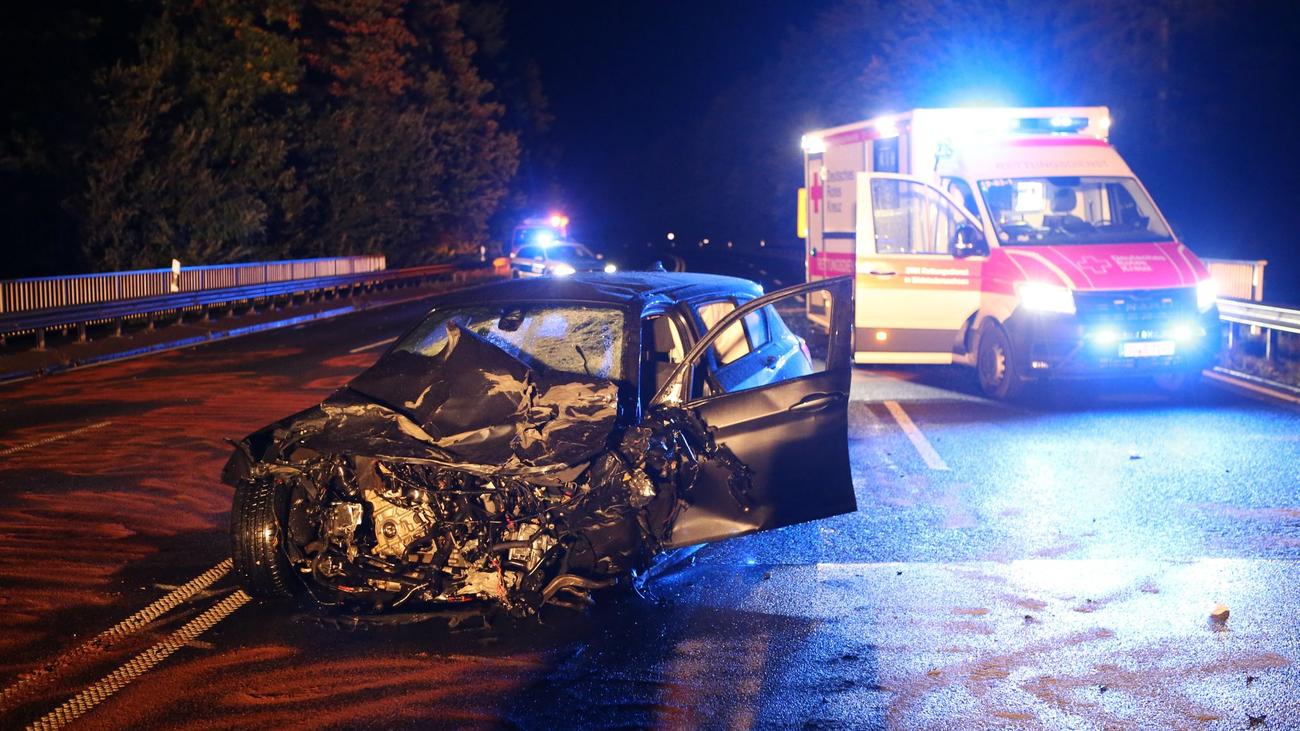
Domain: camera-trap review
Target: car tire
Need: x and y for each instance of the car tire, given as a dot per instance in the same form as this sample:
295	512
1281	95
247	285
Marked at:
995	364
259	511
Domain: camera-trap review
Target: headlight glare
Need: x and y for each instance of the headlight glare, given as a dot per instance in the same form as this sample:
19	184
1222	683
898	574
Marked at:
1042	297
562	270
1207	292
610	268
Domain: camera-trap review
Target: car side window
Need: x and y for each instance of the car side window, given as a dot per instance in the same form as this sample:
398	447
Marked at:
795	346
530	252
780	343
911	218
662	348
732	344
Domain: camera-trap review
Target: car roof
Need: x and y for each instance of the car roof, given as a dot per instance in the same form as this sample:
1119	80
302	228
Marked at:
633	290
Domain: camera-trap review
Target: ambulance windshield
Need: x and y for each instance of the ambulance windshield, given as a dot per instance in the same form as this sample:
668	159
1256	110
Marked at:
1072	210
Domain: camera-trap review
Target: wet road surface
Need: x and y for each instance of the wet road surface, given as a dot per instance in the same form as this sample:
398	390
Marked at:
1043	565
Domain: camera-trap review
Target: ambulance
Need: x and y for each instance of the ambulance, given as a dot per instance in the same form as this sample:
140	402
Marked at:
1013	240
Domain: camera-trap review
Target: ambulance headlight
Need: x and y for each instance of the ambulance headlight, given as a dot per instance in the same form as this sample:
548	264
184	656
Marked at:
1046	298
610	268
563	270
1206	294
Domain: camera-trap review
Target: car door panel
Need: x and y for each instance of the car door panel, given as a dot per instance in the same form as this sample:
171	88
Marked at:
789	438
914	294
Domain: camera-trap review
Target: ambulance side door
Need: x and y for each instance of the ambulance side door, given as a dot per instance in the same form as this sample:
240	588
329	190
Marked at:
919	261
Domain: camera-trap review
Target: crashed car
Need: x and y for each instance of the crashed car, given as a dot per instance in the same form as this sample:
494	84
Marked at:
533	440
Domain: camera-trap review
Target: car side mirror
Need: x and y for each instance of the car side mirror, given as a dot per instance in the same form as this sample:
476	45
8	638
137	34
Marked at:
970	242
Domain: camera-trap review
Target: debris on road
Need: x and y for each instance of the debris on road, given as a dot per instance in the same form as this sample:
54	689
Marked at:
1219	613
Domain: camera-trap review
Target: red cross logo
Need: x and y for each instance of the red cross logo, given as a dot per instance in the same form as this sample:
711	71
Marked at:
815	192
1093	264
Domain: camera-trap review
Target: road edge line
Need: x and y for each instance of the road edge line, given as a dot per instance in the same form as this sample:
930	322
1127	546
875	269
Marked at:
124	675
130	625
52	439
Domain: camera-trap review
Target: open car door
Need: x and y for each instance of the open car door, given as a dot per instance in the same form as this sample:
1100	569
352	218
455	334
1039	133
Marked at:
786	421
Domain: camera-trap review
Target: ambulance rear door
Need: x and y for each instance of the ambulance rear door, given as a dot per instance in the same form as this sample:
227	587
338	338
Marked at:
918	267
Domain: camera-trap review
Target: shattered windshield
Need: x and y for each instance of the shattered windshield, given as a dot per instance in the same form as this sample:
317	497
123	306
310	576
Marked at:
579	340
1072	210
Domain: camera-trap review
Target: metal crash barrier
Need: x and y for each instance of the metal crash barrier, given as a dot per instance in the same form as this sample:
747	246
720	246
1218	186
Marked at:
1267	320
33	306
41	293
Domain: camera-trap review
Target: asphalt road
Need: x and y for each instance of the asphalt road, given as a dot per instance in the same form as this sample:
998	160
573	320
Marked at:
1044	565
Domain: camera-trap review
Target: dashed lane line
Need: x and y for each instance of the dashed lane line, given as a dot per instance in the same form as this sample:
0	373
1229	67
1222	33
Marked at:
55	438
122	629
914	435
105	687
364	348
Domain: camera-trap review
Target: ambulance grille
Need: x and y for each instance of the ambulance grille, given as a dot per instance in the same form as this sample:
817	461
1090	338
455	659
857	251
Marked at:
1135	305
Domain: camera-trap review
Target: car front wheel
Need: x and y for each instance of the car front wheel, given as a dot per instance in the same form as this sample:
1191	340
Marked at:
257	518
995	362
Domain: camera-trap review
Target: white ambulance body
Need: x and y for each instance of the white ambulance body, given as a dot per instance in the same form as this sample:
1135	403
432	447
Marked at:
1015	240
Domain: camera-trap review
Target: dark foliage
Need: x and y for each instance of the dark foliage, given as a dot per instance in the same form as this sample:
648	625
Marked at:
233	130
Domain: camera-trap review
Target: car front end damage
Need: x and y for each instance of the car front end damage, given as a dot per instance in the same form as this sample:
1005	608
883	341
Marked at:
482	484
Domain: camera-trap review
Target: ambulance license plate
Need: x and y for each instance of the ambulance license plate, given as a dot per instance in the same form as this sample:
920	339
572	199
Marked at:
1147	349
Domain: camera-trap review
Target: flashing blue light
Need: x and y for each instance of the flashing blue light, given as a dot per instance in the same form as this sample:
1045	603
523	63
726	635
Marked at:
1062	122
544	238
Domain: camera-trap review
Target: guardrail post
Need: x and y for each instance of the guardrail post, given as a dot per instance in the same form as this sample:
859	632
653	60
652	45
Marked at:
40	338
1268	343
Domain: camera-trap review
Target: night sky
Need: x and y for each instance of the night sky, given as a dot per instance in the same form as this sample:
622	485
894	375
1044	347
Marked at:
630	85
656	127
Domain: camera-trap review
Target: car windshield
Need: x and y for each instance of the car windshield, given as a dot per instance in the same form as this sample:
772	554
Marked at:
570	253
1072	210
581	340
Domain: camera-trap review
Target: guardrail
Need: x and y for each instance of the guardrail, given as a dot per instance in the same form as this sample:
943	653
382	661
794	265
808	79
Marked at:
1276	373
1270	319
42	293
118	312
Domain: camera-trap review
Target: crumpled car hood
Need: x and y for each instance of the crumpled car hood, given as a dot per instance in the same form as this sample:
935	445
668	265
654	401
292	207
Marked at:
469	475
473	405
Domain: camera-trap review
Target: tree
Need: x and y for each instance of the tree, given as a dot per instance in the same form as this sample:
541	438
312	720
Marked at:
191	158
295	128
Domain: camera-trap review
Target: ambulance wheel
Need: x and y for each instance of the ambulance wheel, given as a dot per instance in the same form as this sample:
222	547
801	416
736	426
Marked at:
996	364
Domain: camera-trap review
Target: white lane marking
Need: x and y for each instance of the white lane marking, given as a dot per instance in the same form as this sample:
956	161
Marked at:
55	438
914	435
127	626
106	686
364	348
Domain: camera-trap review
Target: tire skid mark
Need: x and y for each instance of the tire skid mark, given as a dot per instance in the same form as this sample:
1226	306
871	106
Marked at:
52	439
105	687
122	629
